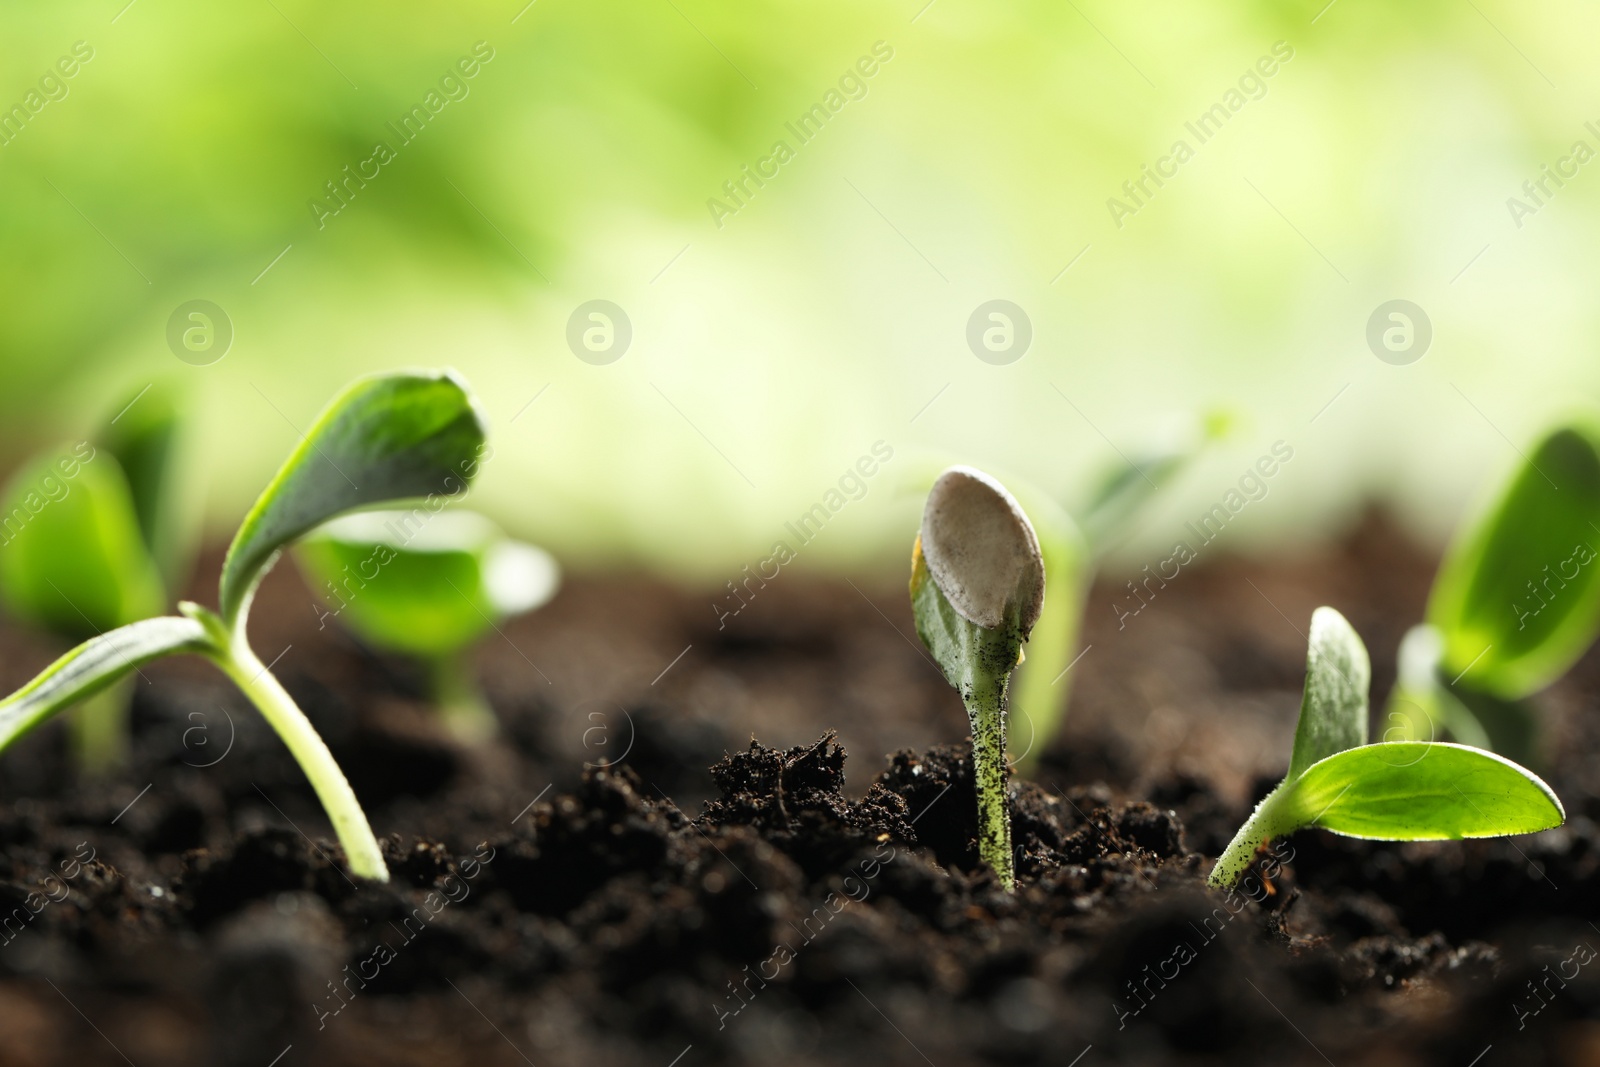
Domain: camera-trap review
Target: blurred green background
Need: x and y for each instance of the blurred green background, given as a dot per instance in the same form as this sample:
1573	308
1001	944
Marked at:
830	311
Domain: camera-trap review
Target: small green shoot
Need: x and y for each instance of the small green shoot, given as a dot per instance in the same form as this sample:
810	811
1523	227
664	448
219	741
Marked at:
429	586
146	438
977	587
1516	601
76	566
1390	791
80	526
385	438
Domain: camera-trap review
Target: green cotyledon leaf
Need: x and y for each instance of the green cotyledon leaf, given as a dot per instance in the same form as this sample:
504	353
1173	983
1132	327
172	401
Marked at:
386	438
1333	705
94	665
426	586
1423	791
1517	599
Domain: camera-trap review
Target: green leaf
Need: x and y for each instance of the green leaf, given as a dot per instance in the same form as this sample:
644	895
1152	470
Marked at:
1421	702
385	438
145	437
1417	791
424	587
1128	485
73	560
1333	705
1518	596
973	659
1039	689
94	665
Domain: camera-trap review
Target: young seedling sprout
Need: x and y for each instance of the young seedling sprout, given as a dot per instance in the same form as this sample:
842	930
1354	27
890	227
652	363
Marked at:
385	438
1515	603
977	586
1390	791
429	587
78	558
1072	542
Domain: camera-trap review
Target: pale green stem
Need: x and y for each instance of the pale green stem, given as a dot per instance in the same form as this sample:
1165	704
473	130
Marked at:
987	712
1276	816
461	702
239	662
99	730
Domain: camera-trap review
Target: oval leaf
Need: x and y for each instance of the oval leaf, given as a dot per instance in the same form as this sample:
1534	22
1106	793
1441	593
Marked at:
1128	485
1421	791
427	589
94	665
1333	705
1518	596
385	438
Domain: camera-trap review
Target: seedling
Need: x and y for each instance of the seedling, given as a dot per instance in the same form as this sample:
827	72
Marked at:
1390	791
79	525
385	438
1515	603
977	587
429	587
1072	543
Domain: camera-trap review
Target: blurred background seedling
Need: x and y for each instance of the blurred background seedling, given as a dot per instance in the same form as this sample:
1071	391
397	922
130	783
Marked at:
1515	602
429	586
98	535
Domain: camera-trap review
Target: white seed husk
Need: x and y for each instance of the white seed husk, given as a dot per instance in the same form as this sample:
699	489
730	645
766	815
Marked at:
981	549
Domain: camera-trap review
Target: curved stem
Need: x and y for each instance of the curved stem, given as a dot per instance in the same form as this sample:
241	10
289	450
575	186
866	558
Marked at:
239	662
461	702
1275	816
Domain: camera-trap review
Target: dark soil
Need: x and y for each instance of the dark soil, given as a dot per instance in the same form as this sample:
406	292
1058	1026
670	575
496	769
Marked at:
549	909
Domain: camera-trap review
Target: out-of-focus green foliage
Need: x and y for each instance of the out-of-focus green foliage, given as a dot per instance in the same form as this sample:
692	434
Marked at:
1515	603
186	157
425	586
1517	599
74	560
429	585
145	437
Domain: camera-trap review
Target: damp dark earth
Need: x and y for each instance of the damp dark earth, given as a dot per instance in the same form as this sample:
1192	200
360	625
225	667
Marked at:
757	844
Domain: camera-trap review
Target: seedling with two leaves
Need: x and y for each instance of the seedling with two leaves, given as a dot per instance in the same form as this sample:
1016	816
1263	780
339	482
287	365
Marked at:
95	535
1390	791
429	586
1515	603
385	438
